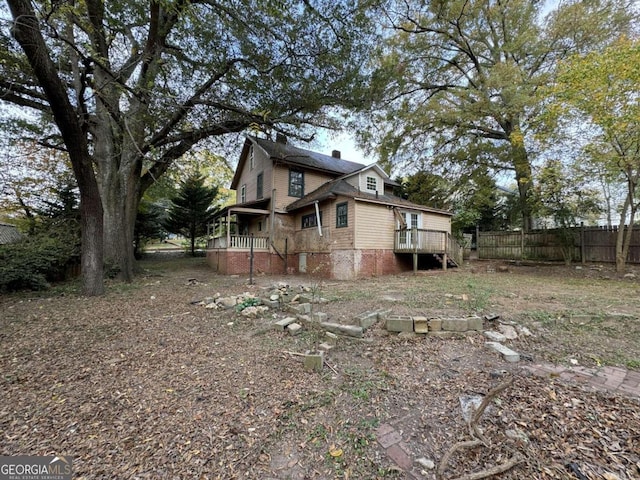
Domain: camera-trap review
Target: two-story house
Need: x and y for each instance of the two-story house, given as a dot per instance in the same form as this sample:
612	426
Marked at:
299	211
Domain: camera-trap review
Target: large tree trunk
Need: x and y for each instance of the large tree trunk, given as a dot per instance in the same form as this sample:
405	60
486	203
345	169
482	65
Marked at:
621	256
524	180
120	197
27	33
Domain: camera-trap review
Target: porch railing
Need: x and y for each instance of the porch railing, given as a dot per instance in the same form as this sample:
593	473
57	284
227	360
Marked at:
239	242
435	242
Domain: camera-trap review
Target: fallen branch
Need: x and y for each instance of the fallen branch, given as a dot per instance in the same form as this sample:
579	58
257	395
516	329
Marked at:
478	440
332	369
489	472
447	456
487	400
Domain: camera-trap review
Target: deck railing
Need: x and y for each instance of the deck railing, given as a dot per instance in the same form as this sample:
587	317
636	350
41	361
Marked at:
239	242
417	240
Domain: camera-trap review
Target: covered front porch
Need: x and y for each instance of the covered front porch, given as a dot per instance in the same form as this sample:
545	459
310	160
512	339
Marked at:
239	228
239	241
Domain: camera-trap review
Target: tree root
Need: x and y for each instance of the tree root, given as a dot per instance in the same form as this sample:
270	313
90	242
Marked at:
489	472
478	440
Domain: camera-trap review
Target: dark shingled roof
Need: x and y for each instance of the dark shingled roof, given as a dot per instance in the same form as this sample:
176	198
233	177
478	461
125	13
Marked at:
341	187
9	234
306	158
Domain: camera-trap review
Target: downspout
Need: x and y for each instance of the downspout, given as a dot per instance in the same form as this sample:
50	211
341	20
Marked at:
272	216
318	218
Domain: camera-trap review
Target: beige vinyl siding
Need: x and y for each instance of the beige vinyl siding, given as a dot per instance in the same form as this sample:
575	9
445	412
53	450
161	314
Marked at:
249	176
312	180
342	238
360	181
433	221
374	226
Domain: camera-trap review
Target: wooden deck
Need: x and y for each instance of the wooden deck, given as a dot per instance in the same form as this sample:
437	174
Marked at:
420	241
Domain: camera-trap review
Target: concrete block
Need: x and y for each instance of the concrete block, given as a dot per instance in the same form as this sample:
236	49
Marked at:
332	338
271	303
294	328
495	336
350	330
474	323
435	324
319	317
295	308
508	354
454	325
306	308
314	361
302	298
399	323
508	331
324	347
421	324
284	323
367	319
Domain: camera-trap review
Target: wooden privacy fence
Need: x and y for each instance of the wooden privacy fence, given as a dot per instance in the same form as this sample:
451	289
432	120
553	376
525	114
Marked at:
580	244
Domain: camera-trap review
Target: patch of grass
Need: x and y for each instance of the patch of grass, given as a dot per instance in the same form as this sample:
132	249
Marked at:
361	392
479	296
633	364
544	317
318	433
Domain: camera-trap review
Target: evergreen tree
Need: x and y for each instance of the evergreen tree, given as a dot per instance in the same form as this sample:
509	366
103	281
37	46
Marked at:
192	208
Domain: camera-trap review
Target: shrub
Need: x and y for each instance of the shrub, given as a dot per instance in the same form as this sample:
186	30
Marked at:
33	262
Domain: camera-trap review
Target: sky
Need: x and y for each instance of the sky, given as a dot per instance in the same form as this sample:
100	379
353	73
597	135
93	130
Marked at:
344	142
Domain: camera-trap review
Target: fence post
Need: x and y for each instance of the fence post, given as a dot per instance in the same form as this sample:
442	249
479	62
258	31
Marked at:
583	255
522	244
477	242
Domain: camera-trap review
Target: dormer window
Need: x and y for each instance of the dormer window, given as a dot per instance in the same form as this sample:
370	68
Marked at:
372	183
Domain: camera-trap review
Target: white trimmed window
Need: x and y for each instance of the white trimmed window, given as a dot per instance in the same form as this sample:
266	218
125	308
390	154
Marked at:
372	183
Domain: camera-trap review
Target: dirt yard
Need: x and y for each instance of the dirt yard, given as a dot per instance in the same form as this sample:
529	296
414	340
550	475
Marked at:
146	382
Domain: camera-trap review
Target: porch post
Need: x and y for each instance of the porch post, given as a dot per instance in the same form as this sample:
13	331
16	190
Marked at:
446	245
229	228
414	241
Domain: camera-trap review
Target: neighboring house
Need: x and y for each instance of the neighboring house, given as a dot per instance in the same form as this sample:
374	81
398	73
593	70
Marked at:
300	211
9	234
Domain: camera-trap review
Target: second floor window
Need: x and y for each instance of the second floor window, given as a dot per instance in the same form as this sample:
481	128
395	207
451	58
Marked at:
243	193
259	186
372	184
296	183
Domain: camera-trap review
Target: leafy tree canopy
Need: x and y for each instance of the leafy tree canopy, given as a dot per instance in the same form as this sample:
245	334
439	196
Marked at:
133	86
601	87
458	81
